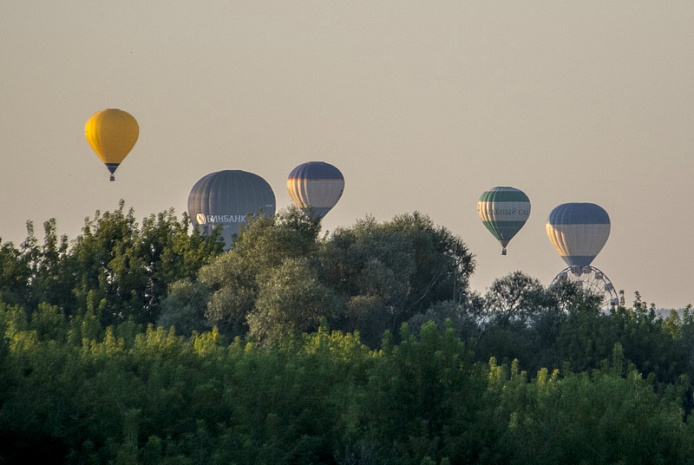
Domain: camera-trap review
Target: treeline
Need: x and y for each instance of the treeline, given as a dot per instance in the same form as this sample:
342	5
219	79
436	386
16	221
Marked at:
144	343
74	394
280	278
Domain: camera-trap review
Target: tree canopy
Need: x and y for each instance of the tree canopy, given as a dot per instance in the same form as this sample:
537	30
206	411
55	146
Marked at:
144	342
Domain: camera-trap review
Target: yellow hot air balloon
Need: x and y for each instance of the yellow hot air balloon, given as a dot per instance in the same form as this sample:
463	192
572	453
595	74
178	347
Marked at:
112	134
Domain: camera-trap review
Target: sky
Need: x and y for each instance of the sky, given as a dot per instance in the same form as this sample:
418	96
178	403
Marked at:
422	105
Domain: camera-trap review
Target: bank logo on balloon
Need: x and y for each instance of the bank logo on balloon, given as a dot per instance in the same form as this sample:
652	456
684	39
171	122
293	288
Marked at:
225	218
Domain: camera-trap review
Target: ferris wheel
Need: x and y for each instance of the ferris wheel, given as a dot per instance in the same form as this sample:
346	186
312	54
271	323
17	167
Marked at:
592	280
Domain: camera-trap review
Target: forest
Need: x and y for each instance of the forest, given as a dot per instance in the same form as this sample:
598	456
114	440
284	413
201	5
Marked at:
145	342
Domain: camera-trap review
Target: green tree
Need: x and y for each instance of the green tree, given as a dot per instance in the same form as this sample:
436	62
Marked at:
184	307
386	273
610	415
516	298
50	280
15	273
586	337
291	300
514	320
461	319
421	399
235	277
116	267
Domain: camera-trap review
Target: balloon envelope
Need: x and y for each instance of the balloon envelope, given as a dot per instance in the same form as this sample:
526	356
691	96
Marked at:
112	134
578	231
503	211
226	198
315	187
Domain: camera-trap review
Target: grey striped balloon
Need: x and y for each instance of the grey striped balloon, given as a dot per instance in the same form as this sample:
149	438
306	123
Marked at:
226	198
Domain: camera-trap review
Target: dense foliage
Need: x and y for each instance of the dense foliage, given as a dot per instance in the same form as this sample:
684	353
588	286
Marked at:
149	344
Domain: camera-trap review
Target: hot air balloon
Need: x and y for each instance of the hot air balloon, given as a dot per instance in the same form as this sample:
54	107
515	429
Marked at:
112	134
503	211
578	231
315	187
226	198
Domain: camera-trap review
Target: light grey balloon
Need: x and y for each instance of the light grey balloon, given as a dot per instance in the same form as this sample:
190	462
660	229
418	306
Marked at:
226	198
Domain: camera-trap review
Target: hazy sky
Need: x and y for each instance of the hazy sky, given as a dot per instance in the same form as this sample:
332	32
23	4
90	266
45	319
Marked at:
422	106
